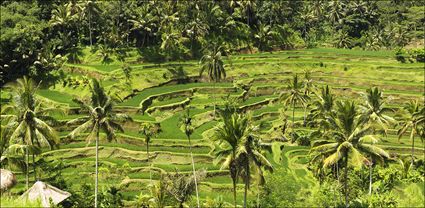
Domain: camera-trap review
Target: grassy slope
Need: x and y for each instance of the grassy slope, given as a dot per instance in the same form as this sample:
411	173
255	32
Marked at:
355	70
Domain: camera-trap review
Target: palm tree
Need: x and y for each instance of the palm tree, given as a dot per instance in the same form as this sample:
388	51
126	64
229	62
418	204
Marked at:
323	108
62	17
294	95
90	9
335	11
373	112
214	65
342	39
228	137
249	154
187	127
412	118
101	118
149	130
265	36
308	89
28	121
349	142
196	28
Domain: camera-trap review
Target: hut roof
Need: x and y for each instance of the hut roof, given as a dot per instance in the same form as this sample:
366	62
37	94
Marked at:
7	179
45	192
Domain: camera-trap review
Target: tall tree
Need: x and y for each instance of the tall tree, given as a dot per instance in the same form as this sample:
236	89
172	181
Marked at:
29	121
63	18
186	126
101	118
323	108
309	88
373	112
213	64
149	130
249	155
412	117
90	11
348	142
228	138
294	95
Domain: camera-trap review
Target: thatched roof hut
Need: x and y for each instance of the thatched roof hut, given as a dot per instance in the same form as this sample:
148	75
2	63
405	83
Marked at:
45	193
7	180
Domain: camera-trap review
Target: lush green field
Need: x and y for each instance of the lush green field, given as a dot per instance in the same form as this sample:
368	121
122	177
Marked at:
348	72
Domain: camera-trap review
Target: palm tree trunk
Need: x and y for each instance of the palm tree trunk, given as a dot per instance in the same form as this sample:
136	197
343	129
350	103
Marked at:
150	168
258	195
234	191
346	180
337	175
194	173
412	135
97	167
33	167
370	179
245	193
215	98
27	171
293	117
91	43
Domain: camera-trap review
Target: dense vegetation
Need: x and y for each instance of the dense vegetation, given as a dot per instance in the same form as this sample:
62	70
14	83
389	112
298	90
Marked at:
215	103
38	36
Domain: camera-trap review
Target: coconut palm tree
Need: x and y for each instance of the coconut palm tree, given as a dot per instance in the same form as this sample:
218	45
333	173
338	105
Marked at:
213	64
228	137
101	118
308	89
373	112
323	108
28	121
265	36
90	10
335	11
349	142
413	116
249	155
186	126
63	17
294	95
149	130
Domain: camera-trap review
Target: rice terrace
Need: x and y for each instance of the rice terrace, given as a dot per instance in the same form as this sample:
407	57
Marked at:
212	103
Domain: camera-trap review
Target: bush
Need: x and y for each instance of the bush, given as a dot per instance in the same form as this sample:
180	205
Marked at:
273	195
386	199
417	54
412	55
400	56
18	202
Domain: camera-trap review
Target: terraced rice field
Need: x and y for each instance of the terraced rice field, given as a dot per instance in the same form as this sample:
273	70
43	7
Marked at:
124	162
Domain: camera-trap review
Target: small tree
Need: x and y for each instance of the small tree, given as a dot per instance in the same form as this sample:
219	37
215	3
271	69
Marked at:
181	187
149	130
187	127
126	70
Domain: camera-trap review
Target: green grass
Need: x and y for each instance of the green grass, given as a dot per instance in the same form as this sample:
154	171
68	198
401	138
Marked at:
56	96
135	101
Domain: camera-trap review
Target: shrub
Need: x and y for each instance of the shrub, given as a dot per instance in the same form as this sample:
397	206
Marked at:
412	55
273	195
18	202
417	54
400	55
